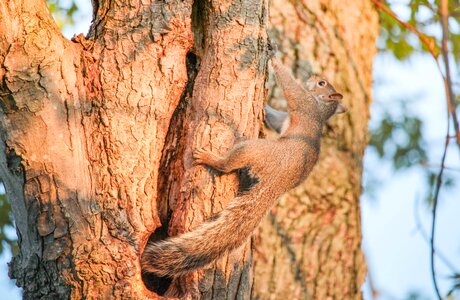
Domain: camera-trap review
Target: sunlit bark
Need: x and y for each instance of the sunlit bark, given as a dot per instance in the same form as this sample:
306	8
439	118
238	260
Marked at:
97	133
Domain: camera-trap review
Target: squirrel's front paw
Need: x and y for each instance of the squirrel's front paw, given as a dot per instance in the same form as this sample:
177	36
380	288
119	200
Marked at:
200	156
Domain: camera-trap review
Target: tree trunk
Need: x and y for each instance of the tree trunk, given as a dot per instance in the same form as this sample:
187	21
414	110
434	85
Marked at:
97	136
310	245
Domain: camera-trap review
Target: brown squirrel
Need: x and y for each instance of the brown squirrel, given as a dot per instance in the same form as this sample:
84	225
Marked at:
279	120
278	166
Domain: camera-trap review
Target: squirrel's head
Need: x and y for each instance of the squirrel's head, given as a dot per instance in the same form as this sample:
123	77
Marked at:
329	101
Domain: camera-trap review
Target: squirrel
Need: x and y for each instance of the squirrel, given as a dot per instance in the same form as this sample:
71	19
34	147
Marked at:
278	121
277	165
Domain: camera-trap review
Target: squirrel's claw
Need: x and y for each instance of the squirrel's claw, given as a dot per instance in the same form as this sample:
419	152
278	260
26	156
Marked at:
199	156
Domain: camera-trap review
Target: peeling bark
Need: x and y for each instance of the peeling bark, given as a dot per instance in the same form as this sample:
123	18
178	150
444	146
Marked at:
97	135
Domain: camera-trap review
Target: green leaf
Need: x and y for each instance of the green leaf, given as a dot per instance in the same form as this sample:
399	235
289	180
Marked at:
64	14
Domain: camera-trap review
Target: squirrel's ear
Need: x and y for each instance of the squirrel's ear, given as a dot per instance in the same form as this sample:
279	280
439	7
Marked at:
311	84
341	109
335	97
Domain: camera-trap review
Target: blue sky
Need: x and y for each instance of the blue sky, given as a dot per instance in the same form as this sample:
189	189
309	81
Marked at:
397	255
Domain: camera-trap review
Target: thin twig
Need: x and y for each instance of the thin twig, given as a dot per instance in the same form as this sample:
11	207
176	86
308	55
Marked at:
451	112
444	14
426	237
374	291
431	166
435	205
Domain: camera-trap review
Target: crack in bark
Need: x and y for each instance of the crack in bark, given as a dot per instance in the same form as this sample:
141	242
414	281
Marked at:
172	153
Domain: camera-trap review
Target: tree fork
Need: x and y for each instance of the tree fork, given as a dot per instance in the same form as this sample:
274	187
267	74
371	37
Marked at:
97	139
89	122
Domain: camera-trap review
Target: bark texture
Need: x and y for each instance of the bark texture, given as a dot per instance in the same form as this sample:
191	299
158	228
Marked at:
310	245
97	135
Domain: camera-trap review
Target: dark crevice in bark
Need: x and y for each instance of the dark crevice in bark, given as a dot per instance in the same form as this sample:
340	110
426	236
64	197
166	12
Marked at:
154	283
199	18
7	103
14	163
171	170
245	283
171	167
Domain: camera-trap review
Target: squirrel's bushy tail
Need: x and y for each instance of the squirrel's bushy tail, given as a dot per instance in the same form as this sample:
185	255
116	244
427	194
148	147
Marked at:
225	231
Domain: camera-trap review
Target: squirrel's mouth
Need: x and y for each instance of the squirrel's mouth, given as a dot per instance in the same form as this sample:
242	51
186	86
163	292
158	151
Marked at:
332	97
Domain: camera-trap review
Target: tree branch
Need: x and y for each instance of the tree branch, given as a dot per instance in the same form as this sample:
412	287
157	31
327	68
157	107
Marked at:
426	41
450	98
435	205
427	238
30	43
21	19
451	105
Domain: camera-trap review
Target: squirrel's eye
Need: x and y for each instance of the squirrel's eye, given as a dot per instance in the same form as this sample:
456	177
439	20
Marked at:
322	83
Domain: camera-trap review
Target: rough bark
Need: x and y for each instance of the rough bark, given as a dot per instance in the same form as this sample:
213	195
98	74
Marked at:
91	130
97	135
226	106
310	245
